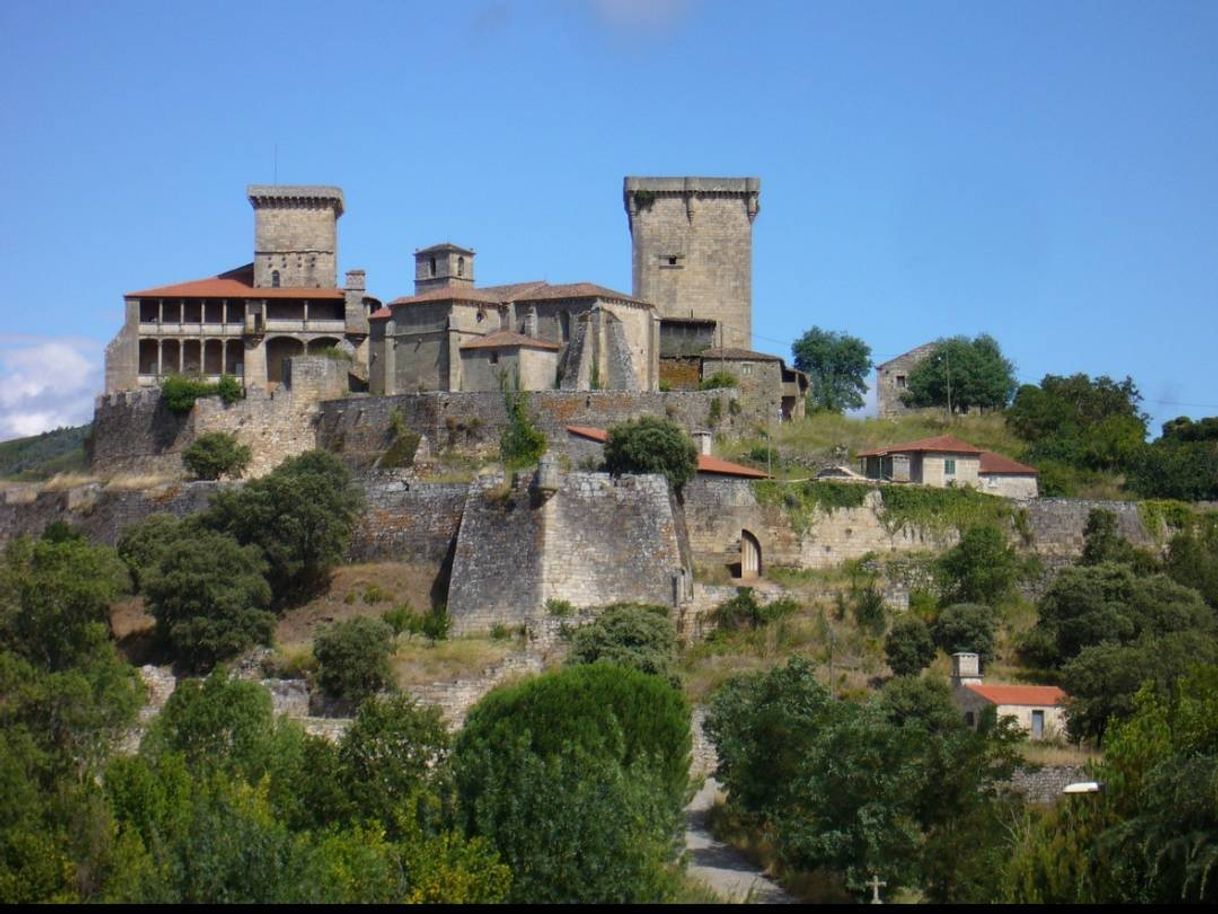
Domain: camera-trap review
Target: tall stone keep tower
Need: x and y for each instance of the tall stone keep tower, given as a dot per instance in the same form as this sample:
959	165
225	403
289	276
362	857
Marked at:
295	235
693	250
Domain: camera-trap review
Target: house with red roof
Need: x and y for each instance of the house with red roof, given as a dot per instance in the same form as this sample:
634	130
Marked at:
1039	710
1000	475
946	460
943	460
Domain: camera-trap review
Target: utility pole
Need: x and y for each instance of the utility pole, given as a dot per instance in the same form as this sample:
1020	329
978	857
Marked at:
947	355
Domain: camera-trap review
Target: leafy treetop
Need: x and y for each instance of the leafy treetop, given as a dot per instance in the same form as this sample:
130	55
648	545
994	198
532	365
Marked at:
837	366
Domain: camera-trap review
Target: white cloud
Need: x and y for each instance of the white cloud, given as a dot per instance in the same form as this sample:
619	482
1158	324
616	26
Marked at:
47	382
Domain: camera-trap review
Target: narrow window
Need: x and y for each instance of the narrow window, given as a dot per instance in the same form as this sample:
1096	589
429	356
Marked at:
274	279
494	358
433	266
949	466
901	382
460	266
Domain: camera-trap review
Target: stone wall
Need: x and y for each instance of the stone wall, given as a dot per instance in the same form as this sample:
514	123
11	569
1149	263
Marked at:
102	514
134	433
407	521
358	428
592	541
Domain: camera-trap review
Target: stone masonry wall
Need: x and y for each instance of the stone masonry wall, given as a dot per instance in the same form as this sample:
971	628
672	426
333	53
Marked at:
134	433
358	428
596	540
102	514
717	509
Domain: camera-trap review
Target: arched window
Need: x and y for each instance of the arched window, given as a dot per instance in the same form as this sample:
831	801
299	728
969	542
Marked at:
460	266
274	279
433	266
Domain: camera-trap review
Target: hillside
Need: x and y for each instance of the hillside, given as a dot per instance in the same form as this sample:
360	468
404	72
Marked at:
42	456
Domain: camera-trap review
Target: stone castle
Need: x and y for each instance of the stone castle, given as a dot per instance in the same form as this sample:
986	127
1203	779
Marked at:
688	316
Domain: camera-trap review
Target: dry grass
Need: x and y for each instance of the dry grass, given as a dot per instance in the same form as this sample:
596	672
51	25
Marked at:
1047	753
418	661
359	590
61	482
130	482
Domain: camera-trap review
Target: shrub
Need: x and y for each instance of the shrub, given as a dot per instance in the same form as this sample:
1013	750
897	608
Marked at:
216	454
745	611
521	444
179	392
719	379
229	389
909	647
560	608
651	445
353	658
631	635
869	611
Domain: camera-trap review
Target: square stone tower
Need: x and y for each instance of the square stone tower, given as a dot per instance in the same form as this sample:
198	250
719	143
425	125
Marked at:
443	266
295	235
692	250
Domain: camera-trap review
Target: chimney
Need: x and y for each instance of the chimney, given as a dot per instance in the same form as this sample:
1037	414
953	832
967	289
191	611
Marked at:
966	669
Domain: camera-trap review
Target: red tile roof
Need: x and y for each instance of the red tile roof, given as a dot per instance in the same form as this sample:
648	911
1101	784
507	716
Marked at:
238	283
940	444
998	465
536	290
706	463
503	339
1050	696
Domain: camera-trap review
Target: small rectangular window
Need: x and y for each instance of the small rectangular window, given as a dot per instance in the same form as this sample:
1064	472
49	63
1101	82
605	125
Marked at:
901	381
672	261
949	466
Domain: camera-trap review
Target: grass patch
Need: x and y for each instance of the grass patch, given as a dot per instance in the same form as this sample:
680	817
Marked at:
1049	753
418	662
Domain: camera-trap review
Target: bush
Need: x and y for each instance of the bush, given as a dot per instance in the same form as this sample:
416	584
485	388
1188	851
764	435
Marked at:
745	611
521	444
651	445
217	454
719	379
630	635
179	392
909	647
209	597
353	658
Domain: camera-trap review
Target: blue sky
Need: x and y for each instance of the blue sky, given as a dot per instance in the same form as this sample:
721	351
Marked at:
1044	172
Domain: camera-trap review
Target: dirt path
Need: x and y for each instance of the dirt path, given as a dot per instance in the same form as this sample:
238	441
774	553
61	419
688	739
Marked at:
723	869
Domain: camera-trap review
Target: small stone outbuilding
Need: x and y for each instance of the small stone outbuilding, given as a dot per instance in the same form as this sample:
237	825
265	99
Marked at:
1001	475
1038	710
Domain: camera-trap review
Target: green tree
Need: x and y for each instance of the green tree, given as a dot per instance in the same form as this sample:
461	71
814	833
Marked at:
216	454
962	373
909	647
521	444
578	778
142	544
1182	463
1091	604
981	568
837	366
353	658
1079	422
301	515
55	598
631	635
394	758
1192	560
209	598
1102	542
651	445
967	627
